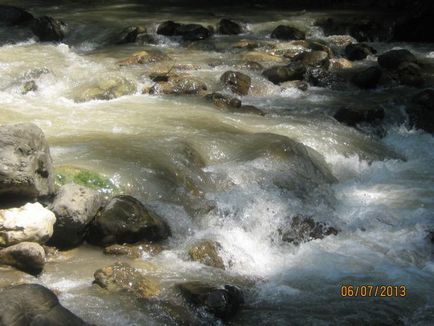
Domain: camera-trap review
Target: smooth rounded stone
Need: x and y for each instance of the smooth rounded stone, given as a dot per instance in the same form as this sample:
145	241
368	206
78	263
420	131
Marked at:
237	82
353	116
48	29
179	85
75	207
33	304
11	15
207	252
222	301
25	163
229	27
29	86
358	51
314	59
287	33
143	57
410	74
340	63
303	229
126	220
223	101
259	56
28	257
280	74
394	58
122	277
367	78
31	222
299	84
105	89
134	251
421	111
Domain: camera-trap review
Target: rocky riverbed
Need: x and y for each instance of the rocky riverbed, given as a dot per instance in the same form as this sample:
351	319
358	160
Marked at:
172	165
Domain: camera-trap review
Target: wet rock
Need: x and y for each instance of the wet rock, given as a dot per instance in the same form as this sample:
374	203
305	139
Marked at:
421	112
237	82
316	59
303	229
410	74
29	86
320	77
134	251
299	84
394	58
48	29
126	220
28	257
33	304
287	33
75	207
223	101
340	63
246	44
353	116
229	27
168	28
208	253
224	302
25	163
358	51
248	109
340	41
367	78
143	57
189	32
31	222
134	34
252	65
280	74
11	15
122	277
105	89
179	85
261	57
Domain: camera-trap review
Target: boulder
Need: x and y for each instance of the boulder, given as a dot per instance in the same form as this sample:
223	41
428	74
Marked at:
394	58
126	220
208	253
143	57
31	222
367	78
229	27
315	59
358	51
33	304
303	229
105	89
48	29
75	207
179	85
122	277
168	28
189	32
280	74
133	34
287	33
28	257
223	101
340	63
321	77
11	16
25	163
421	111
410	74
133	251
352	116
237	82
222	301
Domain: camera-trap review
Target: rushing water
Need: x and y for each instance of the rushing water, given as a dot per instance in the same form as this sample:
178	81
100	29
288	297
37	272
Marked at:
378	192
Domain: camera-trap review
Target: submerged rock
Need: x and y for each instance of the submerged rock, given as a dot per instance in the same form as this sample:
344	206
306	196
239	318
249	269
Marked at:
367	78
179	85
237	82
280	74
126	220
229	27
75	207
207	252
122	277
394	58
410	74
33	304
48	29
134	251
222	301
259	56
134	34
358	51
299	84
25	163
287	33
352	116
29	86
11	15
31	222
421	112
315	59
28	257
223	101
105	89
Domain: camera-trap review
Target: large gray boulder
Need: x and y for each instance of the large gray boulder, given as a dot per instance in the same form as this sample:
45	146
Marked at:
25	163
28	257
33	304
75	207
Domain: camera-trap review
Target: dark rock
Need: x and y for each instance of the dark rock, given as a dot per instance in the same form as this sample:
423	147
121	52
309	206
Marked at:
237	82
48	29
287	33
358	51
75	207
421	113
299	84
122	277
208	253
410	74
29	86
315	59
223	101
367	78
280	74
352	116
223	302
168	28
11	16
134	34
425	99
25	163
189	32
33	304
303	229
229	27
179	85
394	58
126	220
28	257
